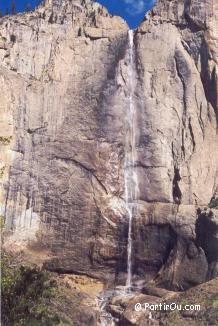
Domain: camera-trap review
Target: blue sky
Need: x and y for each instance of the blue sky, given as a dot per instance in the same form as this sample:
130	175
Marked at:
132	11
20	4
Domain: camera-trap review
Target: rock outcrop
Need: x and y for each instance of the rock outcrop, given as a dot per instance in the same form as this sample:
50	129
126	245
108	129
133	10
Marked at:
177	68
64	81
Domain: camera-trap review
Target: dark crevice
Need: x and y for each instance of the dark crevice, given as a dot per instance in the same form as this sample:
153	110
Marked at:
13	38
192	134
200	120
32	131
183	143
206	230
181	72
141	165
209	80
193	25
177	194
77	163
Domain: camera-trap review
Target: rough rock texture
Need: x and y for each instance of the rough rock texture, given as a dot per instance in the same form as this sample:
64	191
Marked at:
204	295
178	146
65	90
59	81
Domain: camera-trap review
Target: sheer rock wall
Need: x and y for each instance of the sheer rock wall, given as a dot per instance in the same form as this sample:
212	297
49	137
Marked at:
64	83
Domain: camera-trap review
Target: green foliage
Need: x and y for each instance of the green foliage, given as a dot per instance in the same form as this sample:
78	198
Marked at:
2	171
13	7
5	140
215	301
2	222
26	293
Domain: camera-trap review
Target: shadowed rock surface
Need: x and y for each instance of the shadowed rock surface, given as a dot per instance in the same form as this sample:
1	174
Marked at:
64	93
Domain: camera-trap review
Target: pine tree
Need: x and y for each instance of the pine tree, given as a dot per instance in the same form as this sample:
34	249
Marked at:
13	7
28	7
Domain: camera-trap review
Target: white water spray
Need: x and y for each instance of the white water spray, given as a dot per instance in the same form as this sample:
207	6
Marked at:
131	184
130	173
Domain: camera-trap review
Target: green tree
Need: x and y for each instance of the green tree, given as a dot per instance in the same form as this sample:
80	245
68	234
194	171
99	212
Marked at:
26	293
13	7
28	7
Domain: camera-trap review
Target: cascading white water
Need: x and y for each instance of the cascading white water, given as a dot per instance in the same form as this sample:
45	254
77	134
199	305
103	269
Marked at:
131	185
106	319
130	173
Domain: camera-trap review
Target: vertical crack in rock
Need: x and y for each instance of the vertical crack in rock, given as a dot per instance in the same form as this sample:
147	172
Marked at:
209	77
177	194
181	72
201	122
192	134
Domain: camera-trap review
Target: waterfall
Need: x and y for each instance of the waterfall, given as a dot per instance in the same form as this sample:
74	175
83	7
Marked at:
106	319
131	186
130	173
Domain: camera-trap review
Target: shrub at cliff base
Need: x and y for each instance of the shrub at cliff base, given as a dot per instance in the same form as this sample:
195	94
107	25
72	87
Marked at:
26	293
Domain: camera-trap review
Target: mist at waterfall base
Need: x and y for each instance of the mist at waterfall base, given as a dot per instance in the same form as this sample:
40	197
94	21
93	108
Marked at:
133	11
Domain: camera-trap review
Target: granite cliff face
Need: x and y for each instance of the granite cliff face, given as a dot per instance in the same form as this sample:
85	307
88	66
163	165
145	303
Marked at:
64	82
